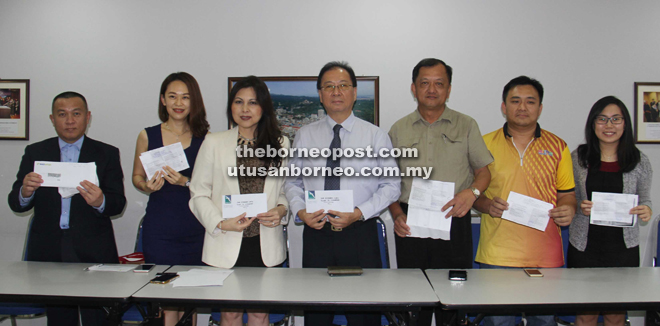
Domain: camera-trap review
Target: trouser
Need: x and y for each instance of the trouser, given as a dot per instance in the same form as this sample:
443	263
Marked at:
356	245
427	253
532	320
67	315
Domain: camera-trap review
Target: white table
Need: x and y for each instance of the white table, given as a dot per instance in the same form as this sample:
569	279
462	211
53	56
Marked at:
69	283
300	289
561	289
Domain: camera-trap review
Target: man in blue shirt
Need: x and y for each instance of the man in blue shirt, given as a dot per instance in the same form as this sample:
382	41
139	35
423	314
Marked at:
77	228
343	238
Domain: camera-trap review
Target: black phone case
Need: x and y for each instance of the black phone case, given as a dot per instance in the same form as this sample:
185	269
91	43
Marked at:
457	275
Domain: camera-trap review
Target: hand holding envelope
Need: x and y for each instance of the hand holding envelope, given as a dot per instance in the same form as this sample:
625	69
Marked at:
70	178
31	183
239	211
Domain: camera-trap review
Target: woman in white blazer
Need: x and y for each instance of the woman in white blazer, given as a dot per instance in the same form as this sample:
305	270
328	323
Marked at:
252	241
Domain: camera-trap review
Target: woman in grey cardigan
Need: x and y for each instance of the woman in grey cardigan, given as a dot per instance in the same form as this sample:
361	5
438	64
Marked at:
608	162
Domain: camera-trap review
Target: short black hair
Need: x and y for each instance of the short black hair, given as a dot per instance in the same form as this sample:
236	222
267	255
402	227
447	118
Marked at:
336	64
431	62
69	94
523	80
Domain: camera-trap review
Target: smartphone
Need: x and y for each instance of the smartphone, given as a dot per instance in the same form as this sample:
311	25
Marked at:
457	275
164	278
344	270
144	268
533	273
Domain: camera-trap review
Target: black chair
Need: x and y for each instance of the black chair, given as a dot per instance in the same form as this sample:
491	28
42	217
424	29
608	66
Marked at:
135	315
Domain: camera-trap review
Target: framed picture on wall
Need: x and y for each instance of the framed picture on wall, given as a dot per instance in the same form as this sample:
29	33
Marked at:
647	107
14	109
296	100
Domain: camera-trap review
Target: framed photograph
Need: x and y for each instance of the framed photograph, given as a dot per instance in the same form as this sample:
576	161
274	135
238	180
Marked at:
647	119
296	101
14	109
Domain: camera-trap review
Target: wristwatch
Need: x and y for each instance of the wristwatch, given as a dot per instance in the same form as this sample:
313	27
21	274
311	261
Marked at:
476	192
188	184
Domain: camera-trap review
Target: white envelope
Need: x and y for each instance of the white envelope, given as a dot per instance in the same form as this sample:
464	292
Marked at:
527	211
251	204
612	209
336	200
170	155
425	218
65	174
425	223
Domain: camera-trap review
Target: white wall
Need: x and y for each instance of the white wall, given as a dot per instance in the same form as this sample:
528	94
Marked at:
117	53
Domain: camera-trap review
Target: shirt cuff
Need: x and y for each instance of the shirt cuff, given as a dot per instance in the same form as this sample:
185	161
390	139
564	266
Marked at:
24	201
101	208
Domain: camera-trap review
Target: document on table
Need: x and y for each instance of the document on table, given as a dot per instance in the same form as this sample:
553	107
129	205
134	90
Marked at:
527	211
251	204
336	200
170	155
122	268
613	209
202	277
65	174
426	218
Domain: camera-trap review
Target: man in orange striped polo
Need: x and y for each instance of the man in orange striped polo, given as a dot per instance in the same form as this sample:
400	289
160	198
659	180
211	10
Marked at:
533	162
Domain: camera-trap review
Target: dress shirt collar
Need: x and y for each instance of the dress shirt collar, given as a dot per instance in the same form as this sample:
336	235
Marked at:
448	114
347	124
537	132
78	143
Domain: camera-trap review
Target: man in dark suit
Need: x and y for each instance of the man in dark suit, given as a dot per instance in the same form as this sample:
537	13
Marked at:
78	228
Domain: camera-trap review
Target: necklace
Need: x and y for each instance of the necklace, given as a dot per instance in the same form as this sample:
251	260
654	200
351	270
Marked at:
245	141
172	131
607	158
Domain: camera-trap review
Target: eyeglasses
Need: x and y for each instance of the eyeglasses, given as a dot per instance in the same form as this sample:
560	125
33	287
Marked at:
331	88
602	120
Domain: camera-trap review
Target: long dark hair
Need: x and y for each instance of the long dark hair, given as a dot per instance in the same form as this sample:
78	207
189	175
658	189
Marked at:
268	129
197	117
627	153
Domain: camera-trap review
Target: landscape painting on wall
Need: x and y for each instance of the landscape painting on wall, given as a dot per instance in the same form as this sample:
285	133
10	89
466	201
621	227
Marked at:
296	101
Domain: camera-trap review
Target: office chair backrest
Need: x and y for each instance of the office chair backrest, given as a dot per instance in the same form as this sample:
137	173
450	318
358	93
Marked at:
382	242
138	239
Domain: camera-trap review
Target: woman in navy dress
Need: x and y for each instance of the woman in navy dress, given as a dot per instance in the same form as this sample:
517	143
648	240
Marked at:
171	235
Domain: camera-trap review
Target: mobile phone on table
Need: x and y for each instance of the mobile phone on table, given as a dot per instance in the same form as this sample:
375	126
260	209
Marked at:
533	273
164	278
144	268
457	275
344	270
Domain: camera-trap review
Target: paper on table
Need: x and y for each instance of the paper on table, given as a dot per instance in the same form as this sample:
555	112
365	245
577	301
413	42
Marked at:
111	268
251	204
527	211
65	174
613	209
170	155
425	216
202	277
336	200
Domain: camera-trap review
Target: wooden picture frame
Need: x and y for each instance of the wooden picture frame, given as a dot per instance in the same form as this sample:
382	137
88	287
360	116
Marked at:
296	100
14	109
